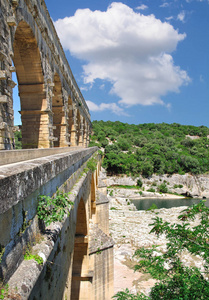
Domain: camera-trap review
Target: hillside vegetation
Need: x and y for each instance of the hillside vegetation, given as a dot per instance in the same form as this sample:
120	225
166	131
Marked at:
152	148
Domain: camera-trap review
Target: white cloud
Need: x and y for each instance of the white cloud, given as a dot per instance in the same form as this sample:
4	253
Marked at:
169	18
181	16
102	86
142	7
106	106
130	50
84	88
165	4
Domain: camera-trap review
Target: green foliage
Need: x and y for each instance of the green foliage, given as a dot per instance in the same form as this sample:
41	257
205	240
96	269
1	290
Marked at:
139	183
152	148
2	250
175	280
151	190
28	256
126	295
53	209
129	187
18	139
92	164
111	193
4	291
153	206
178	186
162	188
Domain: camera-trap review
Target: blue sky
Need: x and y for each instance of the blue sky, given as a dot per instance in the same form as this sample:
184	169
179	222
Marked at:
138	61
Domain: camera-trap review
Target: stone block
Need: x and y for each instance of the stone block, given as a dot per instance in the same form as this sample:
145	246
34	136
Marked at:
3	75
3	99
11	21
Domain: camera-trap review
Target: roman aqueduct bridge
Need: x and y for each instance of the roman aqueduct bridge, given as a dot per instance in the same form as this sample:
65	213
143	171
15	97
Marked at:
53	110
77	251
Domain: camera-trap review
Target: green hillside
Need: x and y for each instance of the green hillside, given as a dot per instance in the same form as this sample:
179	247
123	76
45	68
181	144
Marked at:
152	148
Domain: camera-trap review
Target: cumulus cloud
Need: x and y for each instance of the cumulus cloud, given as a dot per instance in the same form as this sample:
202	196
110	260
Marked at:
126	48
142	7
181	16
106	106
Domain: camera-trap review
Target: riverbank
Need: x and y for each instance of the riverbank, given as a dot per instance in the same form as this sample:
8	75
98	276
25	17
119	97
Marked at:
195	186
130	230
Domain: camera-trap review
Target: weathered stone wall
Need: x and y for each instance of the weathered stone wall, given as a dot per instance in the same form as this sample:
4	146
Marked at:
53	110
101	260
102	207
72	265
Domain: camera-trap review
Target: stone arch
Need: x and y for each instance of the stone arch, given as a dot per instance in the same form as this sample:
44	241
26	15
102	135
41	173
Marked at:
58	113
27	61
80	267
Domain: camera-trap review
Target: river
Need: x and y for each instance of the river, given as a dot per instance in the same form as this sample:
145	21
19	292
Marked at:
144	204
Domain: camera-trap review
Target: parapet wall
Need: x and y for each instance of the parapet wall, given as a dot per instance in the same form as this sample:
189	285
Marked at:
72	261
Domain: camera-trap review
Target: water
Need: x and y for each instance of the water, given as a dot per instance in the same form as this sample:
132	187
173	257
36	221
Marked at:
144	204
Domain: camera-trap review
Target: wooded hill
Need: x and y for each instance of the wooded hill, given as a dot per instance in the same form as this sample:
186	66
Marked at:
152	148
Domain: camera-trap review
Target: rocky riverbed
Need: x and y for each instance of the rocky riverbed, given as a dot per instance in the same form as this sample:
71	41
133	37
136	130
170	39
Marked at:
130	230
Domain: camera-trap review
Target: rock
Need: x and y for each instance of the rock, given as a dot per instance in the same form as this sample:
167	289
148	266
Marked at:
190	185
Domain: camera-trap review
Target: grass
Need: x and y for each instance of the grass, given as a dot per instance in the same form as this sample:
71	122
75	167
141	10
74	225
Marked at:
124	187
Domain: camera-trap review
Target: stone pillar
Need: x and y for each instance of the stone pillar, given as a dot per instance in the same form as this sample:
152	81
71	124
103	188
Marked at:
6	102
64	135
81	142
73	132
49	94
35	115
85	135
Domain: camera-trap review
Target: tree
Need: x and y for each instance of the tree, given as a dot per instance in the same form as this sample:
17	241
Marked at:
147	169
175	280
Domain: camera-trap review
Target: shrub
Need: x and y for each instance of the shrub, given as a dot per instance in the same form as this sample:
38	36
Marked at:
162	188
174	279
53	209
139	183
151	190
153	206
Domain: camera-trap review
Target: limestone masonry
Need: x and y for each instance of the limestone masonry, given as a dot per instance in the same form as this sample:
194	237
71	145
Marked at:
53	110
77	252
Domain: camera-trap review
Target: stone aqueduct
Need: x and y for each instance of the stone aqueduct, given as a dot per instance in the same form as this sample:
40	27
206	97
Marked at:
77	251
53	110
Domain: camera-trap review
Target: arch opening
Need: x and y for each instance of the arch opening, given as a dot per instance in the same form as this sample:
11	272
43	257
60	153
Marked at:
27	62
80	285
58	113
